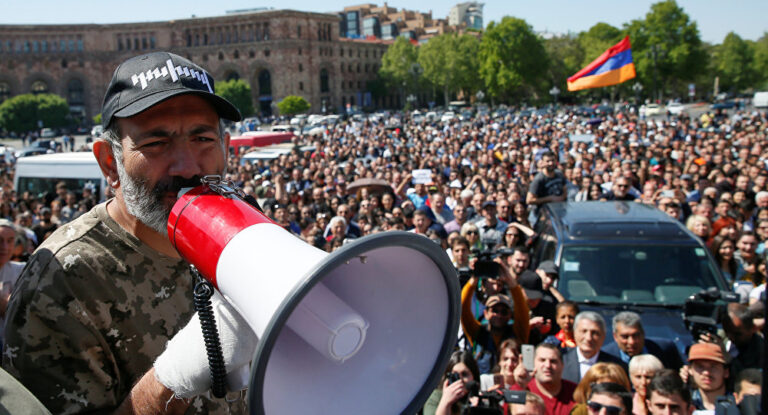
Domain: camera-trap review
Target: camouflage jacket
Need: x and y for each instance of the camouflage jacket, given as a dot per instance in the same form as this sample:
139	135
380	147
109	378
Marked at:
90	313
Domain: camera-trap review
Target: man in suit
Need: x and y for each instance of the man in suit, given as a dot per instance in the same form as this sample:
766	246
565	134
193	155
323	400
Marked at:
589	333
630	341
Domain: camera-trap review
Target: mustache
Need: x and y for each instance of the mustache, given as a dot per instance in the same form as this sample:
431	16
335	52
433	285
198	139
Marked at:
176	183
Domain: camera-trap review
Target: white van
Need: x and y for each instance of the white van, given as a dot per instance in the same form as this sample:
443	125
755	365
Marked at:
40	174
760	100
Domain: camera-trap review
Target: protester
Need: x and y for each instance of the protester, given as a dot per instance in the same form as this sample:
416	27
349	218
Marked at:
111	280
642	368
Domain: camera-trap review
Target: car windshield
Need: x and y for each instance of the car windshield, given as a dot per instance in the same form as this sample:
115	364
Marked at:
635	274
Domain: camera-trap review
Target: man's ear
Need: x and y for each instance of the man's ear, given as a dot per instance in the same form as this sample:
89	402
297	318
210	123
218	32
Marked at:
106	159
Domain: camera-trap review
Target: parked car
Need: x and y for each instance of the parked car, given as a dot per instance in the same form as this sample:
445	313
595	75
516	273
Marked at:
616	256
724	105
675	108
47	133
651	109
448	116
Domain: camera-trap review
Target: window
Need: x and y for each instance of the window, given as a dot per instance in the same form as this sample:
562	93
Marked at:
301	88
136	42
301	68
35	47
266	52
342	68
5	91
144	43
298	31
152	43
324	87
80	45
232	76
300	52
75	92
341	52
119	43
265	82
39	87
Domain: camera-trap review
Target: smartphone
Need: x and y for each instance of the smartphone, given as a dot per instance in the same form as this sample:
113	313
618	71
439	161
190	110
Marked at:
527	352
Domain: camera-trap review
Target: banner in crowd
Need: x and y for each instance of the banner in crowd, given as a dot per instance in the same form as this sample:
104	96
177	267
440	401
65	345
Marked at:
613	67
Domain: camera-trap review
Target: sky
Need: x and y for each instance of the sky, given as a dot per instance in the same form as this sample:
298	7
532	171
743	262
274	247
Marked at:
715	18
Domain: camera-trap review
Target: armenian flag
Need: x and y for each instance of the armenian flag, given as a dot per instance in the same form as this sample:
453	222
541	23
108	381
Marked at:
613	67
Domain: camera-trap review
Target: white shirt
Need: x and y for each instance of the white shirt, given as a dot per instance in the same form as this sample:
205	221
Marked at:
584	363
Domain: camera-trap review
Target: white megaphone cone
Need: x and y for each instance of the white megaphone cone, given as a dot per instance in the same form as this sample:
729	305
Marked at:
366	329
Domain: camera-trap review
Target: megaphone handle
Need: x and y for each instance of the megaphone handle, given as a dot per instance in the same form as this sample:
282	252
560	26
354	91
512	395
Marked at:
203	290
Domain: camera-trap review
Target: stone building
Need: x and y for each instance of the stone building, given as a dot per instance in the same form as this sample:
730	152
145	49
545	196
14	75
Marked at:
278	52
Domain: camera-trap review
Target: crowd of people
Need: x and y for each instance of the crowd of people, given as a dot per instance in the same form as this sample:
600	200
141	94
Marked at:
486	179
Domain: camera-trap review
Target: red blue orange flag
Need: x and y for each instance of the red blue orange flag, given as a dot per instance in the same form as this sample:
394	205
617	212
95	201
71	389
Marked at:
613	67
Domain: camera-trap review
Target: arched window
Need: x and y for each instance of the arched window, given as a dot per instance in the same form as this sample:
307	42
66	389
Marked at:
39	87
324	81
5	91
232	75
265	82
75	92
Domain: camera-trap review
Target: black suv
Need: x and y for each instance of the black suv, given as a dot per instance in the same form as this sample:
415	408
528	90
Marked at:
616	256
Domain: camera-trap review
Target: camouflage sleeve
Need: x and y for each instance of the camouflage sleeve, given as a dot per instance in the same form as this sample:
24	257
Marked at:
52	345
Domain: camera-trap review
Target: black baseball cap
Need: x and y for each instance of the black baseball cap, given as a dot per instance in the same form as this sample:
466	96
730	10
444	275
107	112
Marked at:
147	80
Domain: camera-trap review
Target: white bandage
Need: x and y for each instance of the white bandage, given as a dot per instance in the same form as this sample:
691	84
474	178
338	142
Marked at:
183	366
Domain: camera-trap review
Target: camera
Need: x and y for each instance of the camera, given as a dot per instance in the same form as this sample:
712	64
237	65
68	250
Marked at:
490	402
453	377
485	267
703	312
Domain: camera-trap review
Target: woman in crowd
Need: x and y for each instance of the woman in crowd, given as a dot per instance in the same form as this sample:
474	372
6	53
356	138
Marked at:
641	370
449	398
520	212
722	250
700	226
472	233
599	373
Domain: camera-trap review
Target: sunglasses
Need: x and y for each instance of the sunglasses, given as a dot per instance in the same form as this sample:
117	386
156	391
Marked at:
471	232
595	407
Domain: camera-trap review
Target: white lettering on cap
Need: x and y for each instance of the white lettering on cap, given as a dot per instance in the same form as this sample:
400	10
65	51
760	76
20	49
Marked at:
176	72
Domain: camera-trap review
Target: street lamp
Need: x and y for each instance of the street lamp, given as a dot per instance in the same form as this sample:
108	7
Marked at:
411	99
555	91
480	95
638	88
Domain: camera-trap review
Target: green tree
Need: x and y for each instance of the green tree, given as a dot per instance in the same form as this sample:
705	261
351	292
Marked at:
293	104
398	66
238	92
512	59
597	40
449	62
760	63
668	34
22	113
565	57
96	119
733	63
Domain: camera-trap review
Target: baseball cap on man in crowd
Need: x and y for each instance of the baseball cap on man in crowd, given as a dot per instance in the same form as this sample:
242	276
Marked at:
707	351
498	299
146	80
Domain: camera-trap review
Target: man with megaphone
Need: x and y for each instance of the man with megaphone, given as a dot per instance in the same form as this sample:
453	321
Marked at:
97	321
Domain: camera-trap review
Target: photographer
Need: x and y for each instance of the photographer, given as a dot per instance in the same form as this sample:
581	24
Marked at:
485	339
450	397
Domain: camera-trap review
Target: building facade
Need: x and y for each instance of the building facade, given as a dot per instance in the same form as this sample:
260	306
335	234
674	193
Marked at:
468	14
278	52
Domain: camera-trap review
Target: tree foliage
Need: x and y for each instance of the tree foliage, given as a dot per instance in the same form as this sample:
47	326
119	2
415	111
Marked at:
733	63
565	59
449	62
397	64
669	34
760	62
22	113
293	104
238	92
597	40
511	57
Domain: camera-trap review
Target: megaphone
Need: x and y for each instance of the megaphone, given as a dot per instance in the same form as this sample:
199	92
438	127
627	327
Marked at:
366	329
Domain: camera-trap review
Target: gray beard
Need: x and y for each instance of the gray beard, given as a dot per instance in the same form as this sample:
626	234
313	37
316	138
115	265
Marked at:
143	202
